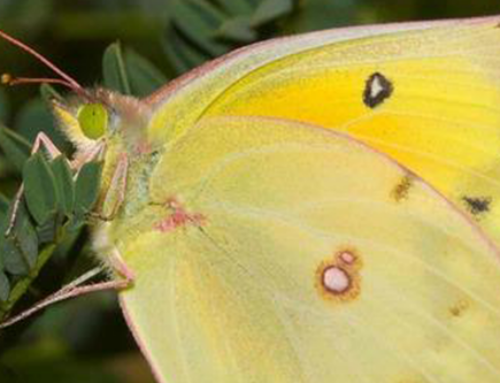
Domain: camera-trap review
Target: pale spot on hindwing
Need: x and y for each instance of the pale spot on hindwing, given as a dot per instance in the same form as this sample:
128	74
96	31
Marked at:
378	88
338	278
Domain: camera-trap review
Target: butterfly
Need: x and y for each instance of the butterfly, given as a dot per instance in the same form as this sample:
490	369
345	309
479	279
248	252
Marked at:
319	208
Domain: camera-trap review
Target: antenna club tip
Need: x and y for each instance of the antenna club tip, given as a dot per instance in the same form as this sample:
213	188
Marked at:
6	79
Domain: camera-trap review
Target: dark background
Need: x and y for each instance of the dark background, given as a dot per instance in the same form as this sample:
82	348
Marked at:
86	340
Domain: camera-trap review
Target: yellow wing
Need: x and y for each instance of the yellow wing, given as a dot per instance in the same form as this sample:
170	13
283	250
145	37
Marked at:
428	94
294	254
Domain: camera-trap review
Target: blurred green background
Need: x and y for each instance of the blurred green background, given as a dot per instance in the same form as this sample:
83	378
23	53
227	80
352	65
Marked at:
86	340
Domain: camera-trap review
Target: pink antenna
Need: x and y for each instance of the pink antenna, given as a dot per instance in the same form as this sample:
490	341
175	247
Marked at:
66	79
8	79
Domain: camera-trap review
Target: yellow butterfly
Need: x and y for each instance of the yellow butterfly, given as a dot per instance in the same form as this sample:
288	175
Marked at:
261	247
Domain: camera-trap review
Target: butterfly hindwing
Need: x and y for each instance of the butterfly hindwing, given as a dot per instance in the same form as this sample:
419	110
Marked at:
305	257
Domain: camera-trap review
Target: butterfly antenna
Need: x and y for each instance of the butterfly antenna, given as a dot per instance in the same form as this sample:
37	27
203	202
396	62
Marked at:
9	79
65	79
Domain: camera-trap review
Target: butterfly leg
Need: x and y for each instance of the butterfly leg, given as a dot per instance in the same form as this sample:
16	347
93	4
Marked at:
53	151
87	156
43	139
76	288
115	195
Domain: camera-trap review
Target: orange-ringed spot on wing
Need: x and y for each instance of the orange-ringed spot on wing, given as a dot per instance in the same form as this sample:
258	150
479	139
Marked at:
338	278
347	257
378	88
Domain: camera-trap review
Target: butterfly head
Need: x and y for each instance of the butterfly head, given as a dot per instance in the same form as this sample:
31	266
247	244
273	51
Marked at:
91	118
108	127
100	119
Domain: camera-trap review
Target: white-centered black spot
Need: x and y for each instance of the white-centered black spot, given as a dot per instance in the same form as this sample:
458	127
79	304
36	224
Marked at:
377	89
477	205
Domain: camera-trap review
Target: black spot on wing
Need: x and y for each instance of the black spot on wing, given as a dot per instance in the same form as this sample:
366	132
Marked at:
378	88
477	205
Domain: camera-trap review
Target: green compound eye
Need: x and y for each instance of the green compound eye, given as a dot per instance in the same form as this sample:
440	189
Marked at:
93	119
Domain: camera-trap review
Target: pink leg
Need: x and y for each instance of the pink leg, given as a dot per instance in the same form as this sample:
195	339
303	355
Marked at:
75	288
115	194
88	156
15	209
41	139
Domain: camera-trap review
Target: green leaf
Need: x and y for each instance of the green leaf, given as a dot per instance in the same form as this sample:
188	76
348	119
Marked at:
64	183
200	30
15	147
270	10
144	77
198	20
237	30
182	54
49	93
40	189
47	231
114	70
19	250
13	258
4	287
35	117
27	240
22	284
237	8
87	187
